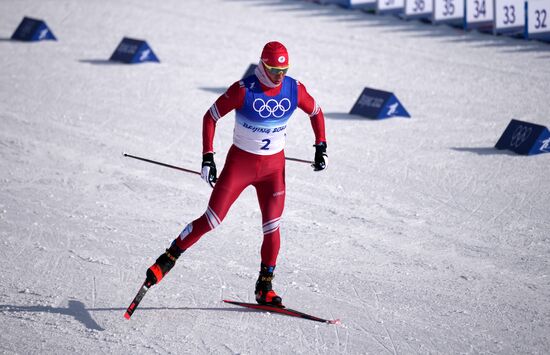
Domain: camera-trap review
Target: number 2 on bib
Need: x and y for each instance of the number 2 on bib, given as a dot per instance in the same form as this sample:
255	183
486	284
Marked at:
266	145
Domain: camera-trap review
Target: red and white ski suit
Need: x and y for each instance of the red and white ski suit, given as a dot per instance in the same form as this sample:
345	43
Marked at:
246	165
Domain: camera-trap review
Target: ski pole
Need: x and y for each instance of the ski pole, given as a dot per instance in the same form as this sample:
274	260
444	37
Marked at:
299	160
193	171
162	164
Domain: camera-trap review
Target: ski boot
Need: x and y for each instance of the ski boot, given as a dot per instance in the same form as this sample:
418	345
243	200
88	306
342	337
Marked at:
264	291
163	264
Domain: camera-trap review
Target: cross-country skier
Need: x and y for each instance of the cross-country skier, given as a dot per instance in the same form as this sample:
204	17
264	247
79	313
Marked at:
264	103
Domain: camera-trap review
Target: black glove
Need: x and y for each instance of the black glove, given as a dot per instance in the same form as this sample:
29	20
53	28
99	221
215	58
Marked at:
208	171
321	157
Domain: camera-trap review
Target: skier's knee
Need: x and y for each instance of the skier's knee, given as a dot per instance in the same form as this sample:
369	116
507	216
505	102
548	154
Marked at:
213	219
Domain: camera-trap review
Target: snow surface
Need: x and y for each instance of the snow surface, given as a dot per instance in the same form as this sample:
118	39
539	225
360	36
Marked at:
420	236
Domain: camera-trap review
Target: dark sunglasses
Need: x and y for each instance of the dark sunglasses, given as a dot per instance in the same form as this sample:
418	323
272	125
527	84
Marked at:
275	70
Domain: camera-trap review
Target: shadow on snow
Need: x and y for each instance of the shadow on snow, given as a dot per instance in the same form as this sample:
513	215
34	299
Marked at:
82	314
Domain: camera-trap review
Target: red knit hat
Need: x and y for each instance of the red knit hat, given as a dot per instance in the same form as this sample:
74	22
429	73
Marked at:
275	54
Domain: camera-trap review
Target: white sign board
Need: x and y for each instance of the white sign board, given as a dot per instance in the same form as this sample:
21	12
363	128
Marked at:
418	8
448	10
390	5
538	22
348	3
479	12
362	3
509	15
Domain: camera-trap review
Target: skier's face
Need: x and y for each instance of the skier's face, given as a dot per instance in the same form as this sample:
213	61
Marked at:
275	74
276	78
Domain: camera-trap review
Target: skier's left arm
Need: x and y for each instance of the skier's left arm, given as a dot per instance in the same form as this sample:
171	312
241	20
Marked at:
308	104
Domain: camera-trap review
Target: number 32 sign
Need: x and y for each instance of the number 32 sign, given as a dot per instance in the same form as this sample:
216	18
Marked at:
538	22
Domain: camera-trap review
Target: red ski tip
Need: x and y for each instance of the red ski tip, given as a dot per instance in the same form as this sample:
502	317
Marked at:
127	316
335	321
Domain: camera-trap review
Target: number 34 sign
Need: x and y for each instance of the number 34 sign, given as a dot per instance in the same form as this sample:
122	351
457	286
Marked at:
479	13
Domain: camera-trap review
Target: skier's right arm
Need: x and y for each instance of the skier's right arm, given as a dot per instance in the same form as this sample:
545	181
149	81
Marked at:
232	99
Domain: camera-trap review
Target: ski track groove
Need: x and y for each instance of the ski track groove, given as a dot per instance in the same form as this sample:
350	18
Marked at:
314	284
222	286
474	211
337	339
467	193
320	341
449	192
29	237
94	292
304	346
127	185
194	297
504	209
519	211
230	349
305	343
345	344
366	311
158	344
520	204
380	320
245	323
491	177
374	337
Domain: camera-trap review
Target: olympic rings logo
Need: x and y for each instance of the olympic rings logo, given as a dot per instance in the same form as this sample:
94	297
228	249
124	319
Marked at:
272	107
520	135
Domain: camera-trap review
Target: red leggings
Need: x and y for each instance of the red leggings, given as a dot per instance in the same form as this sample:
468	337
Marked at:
267	174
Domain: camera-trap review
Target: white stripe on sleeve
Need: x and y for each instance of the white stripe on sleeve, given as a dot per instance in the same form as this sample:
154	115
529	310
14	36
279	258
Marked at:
214	112
316	110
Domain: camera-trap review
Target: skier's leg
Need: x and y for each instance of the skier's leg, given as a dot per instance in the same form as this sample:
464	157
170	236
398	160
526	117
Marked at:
232	181
271	196
234	178
224	195
271	190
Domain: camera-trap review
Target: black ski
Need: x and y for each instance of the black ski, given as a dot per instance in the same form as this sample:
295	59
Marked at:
283	310
142	291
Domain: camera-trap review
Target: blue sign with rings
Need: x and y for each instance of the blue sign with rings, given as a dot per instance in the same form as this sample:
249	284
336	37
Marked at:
133	51
525	138
32	30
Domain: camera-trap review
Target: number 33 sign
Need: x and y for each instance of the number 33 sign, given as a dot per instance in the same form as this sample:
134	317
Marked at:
509	16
